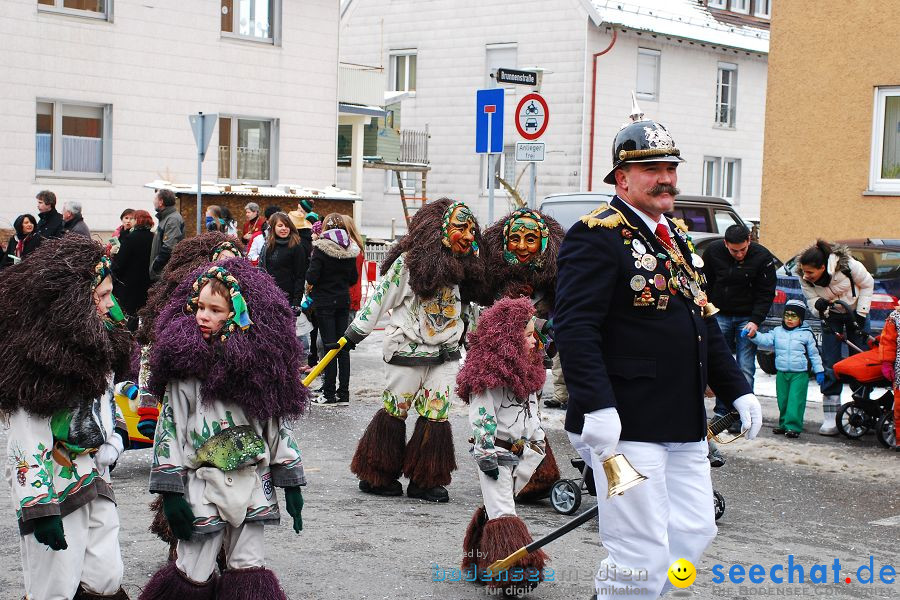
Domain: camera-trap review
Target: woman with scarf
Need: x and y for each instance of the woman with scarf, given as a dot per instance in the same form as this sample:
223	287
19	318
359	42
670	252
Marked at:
23	243
227	363
332	270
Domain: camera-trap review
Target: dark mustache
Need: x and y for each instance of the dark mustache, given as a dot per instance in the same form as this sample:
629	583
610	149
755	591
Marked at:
663	188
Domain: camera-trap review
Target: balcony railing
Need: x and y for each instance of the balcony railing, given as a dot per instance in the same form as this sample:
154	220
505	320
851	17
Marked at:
360	84
414	146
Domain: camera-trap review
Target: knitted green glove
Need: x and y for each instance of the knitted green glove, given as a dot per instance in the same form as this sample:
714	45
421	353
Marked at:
49	531
179	514
294	501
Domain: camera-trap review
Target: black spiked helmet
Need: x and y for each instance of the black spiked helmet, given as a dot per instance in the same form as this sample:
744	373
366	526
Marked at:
642	140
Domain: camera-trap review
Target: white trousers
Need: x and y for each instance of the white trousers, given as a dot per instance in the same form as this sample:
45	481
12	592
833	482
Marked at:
92	557
244	548
667	517
498	495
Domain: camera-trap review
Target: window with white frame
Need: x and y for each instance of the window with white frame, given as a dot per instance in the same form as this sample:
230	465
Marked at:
884	173
721	177
717	3
248	149
497	56
72	139
257	20
94	9
763	8
504	166
647	87
403	70
410	182
726	94
740	6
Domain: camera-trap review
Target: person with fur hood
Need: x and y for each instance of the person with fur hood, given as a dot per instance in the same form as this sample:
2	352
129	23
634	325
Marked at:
227	362
427	277
500	379
63	342
829	274
520	253
332	271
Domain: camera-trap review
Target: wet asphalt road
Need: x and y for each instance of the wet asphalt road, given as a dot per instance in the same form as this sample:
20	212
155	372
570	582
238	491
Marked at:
815	498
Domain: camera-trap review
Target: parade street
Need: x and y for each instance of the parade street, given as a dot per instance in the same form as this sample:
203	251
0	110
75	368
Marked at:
816	498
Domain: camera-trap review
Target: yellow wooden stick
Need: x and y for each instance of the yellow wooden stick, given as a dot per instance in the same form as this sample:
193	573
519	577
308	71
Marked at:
324	362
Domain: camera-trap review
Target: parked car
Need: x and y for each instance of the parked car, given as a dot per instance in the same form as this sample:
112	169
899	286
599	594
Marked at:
881	258
701	214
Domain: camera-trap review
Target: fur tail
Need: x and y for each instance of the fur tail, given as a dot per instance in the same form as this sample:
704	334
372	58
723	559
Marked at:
171	584
542	479
257	583
472	541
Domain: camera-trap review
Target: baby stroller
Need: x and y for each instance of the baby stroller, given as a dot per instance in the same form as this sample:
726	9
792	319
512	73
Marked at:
565	495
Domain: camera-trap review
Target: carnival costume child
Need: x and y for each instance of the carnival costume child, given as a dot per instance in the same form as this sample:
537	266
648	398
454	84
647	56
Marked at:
60	350
227	358
520	254
499	381
424	280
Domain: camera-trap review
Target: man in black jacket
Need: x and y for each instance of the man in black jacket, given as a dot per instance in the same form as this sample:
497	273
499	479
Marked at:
740	275
50	222
638	347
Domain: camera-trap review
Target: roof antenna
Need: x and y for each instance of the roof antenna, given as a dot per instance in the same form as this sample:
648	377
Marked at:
636	113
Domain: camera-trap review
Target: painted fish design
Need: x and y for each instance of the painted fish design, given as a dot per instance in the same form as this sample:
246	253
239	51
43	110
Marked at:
231	449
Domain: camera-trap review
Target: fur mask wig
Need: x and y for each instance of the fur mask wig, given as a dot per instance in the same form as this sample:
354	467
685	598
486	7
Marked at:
57	352
497	356
431	264
188	255
257	368
509	279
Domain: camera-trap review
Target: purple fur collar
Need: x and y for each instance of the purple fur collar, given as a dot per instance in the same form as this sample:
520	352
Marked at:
257	369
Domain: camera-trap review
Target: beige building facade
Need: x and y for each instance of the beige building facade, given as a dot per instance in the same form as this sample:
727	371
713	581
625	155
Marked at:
831	158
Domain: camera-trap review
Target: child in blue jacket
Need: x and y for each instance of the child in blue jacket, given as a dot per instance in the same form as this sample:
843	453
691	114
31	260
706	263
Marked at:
794	343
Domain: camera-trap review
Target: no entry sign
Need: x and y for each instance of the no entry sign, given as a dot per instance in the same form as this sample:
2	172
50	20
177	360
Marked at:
532	116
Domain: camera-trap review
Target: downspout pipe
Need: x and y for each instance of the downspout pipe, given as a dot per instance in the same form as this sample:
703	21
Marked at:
590	181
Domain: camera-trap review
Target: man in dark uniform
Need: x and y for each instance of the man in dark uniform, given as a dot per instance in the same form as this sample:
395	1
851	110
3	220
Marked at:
639	345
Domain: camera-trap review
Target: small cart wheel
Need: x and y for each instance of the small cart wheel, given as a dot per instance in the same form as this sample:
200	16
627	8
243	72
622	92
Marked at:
885	433
852	420
565	496
719	504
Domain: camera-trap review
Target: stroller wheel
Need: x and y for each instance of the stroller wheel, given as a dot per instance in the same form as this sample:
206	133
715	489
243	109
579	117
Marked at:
885	433
852	420
565	496
718	504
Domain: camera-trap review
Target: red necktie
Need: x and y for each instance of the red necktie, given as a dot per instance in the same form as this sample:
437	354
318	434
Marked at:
662	232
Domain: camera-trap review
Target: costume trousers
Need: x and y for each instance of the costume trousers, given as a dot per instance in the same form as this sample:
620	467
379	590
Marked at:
92	557
667	517
791	390
499	500
560	392
244	548
428	388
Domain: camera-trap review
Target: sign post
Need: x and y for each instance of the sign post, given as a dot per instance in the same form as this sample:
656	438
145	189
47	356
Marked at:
489	134
202	126
532	117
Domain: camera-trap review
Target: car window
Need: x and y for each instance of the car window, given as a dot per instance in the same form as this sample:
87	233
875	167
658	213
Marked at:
568	213
696	218
724	220
883	264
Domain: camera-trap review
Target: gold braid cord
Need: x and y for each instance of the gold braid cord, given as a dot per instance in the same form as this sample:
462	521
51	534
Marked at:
609	221
632	154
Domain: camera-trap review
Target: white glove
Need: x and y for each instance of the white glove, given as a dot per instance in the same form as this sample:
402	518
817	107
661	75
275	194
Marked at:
751	414
108	453
601	432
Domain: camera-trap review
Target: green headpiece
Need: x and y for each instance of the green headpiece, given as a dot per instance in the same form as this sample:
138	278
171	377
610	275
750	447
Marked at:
539	227
224	247
465	214
239	317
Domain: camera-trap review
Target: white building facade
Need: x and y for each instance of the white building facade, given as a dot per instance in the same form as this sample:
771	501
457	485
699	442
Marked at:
97	93
702	77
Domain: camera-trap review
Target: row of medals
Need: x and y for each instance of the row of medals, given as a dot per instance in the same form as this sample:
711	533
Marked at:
683	277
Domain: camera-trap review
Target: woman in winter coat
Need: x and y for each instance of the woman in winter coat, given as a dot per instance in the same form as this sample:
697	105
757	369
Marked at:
131	267
828	274
332	270
23	243
284	258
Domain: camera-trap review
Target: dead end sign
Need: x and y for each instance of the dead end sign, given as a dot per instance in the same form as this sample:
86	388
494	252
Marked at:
532	116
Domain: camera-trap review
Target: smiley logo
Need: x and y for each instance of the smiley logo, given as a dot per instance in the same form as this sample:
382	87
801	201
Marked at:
682	573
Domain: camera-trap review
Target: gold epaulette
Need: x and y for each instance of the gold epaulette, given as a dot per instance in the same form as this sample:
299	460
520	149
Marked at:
611	220
680	224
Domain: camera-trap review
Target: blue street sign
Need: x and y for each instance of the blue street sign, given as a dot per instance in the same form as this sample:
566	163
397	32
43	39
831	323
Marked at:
489	121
